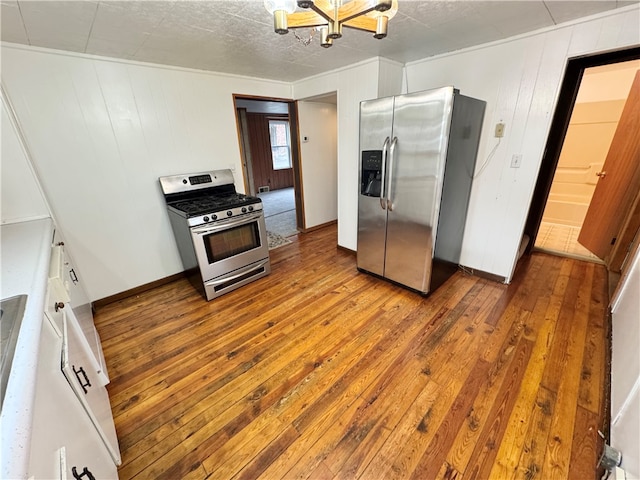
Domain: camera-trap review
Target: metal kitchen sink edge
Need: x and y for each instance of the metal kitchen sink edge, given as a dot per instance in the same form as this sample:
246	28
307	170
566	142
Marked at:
11	315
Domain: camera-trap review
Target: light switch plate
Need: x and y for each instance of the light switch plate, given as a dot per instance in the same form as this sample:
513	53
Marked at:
516	160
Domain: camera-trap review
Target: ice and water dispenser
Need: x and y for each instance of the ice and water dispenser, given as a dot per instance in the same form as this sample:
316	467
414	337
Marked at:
371	174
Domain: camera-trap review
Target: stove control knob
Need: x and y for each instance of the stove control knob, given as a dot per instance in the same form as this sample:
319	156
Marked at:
205	218
214	217
229	213
244	209
251	208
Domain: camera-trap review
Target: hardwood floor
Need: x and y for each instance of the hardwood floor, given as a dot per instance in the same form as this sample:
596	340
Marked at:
319	371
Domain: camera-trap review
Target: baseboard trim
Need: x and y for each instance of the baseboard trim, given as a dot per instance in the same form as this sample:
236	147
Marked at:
346	250
318	227
482	274
137	290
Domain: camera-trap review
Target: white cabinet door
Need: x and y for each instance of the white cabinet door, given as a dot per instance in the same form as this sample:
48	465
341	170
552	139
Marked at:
63	436
77	366
56	305
65	281
82	309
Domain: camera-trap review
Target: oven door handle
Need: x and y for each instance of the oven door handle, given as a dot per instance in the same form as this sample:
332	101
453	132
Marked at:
244	271
226	223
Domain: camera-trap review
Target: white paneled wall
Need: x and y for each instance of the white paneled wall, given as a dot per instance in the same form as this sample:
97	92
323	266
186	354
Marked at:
389	78
101	132
520	80
20	196
353	85
319	162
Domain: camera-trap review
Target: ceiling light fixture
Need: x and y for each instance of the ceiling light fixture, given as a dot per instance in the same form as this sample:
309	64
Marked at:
306	41
329	16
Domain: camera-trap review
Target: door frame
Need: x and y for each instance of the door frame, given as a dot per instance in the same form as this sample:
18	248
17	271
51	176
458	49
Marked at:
560	124
295	150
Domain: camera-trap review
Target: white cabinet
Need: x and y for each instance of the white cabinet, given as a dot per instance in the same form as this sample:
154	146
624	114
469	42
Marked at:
65	288
73	434
87	385
64	439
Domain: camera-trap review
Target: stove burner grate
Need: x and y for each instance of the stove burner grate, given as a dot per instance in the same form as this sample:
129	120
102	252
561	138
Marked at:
211	203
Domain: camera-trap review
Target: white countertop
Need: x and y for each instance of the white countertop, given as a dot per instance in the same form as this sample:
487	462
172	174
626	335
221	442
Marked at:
25	250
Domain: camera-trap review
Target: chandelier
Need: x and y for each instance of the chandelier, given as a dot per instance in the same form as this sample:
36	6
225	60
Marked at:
329	16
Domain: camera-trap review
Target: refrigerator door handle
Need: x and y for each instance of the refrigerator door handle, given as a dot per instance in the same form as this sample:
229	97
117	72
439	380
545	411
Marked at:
391	156
383	190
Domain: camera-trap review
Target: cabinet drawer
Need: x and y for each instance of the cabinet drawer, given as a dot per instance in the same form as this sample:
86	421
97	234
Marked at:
63	435
70	463
78	368
75	464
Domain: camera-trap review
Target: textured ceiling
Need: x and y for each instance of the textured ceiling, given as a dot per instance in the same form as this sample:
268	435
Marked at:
237	36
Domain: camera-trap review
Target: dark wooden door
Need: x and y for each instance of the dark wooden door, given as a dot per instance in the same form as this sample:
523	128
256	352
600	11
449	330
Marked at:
262	165
619	181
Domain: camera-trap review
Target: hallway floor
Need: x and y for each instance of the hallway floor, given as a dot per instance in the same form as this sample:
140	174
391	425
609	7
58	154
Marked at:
280	211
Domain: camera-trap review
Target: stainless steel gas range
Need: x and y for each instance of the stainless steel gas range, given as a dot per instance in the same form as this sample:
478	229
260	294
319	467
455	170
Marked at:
221	234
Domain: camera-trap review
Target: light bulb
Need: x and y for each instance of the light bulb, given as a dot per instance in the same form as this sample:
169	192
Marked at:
288	6
389	13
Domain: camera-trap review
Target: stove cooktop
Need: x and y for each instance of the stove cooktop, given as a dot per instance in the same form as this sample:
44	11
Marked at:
213	203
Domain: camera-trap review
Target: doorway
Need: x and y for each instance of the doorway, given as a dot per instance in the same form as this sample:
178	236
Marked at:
268	134
566	183
599	103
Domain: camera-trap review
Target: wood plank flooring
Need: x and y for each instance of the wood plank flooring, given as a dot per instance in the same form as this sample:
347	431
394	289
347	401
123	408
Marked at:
318	371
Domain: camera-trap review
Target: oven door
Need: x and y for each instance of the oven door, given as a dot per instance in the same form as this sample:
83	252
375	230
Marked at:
227	247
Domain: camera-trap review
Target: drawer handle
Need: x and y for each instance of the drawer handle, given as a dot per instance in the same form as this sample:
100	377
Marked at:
74	277
84	381
58	305
85	471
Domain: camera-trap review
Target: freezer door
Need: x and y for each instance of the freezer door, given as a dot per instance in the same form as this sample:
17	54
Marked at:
421	123
464	137
376	117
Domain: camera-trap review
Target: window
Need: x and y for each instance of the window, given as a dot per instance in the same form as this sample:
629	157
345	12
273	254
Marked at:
280	145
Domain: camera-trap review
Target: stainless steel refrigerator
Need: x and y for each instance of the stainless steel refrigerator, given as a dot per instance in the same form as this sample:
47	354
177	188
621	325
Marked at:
417	159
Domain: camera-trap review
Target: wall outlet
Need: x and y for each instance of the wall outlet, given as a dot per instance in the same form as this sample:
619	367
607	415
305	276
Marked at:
516	160
499	130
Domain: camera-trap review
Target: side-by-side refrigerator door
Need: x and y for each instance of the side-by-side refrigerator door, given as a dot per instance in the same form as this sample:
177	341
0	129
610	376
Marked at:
415	169
376	117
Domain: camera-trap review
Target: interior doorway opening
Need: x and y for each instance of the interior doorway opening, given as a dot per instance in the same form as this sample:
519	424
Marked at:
311	137
268	135
567	100
600	100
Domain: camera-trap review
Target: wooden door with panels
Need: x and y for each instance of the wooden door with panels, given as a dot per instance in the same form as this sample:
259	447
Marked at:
607	220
